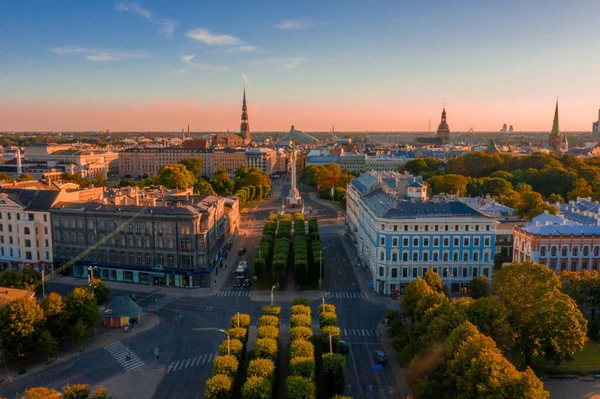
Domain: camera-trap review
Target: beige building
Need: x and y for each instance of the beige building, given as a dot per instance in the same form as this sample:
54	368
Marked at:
86	163
137	162
229	159
264	159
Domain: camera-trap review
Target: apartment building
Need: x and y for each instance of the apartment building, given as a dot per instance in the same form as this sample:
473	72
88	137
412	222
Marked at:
138	162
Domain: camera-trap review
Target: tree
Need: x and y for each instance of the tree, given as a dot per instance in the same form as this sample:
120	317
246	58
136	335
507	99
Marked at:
203	187
266	348
175	176
415	290
101	291
218	387
221	182
19	321
76	391
47	344
99	180
545	320
81	333
127	183
194	165
25	177
480	287
490	316
449	184
263	368
235	347
28	279
303	367
301	348
532	204
5	178
41	393
329	175
581	189
334	366
81	305
257	388
226	364
434	281
583	287
56	317
299	388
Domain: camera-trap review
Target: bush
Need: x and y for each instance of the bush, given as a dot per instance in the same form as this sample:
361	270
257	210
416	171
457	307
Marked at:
335	337
237	348
263	368
298	320
239	333
257	388
271	311
266	348
594	330
333	370
300	333
302	348
225	364
244	321
268	321
301	309
299	388
218	387
301	301
303	367
268	332
327	308
328	319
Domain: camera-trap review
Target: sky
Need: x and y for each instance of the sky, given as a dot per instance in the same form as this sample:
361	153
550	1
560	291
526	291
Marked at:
373	65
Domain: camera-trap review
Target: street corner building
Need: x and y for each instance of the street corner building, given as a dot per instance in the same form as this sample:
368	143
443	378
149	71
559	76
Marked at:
177	240
400	234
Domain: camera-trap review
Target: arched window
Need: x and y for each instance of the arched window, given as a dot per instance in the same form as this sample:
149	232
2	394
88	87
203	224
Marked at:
553	251
394	257
381	256
586	251
475	256
445	256
575	251
404	257
425	256
465	256
564	251
435	256
486	257
415	257
543	251
455	256
596	250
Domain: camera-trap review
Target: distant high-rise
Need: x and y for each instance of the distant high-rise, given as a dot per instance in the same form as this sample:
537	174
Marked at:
510	129
443	131
245	126
503	128
596	128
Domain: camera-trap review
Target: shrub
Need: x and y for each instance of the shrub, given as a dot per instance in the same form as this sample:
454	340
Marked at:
328	319
257	388
263	368
239	333
225	364
301	301
333	370
237	348
271	311
335	337
218	387
244	320
303	367
299	388
327	307
268	332
266	348
302	348
298	320
301	309
268	321
300	333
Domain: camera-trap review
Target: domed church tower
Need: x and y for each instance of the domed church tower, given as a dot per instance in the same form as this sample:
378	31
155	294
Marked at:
443	131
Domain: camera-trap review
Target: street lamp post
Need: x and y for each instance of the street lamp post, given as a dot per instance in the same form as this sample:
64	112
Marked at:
91	277
228	342
259	252
272	288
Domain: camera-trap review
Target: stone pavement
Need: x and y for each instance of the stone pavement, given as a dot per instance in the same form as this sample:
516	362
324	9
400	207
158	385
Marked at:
138	383
105	336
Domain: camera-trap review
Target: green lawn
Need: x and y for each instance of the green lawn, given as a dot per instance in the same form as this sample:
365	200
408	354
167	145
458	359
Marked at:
587	361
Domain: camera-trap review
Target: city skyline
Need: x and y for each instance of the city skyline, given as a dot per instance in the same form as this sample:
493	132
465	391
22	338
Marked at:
144	66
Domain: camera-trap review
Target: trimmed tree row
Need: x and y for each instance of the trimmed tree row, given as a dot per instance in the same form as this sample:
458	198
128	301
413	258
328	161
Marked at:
300	250
260	379
333	364
281	252
252	193
314	251
263	258
300	384
226	367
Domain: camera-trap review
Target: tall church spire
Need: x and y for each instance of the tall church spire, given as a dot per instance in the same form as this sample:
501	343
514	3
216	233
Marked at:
555	127
245	126
555	139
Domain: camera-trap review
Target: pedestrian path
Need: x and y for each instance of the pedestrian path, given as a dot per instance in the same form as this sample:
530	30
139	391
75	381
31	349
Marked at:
233	293
119	351
346	295
354	332
177	365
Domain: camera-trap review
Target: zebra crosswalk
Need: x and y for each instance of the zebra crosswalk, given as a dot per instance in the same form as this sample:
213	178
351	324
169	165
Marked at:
346	295
353	332
233	293
119	352
191	362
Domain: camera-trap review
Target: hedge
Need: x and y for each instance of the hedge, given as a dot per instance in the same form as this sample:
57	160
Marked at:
239	333
300	388
300	301
218	387
237	348
267	320
297	320
225	364
244	321
271	311
300	333
301	348
257	388
326	308
303	367
301	309
268	332
264	368
328	319
334	331
333	366
266	348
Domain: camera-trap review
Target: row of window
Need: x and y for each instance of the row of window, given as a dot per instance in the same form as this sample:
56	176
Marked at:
415	272
26	242
112	226
26	230
565	250
30	216
585	264
445	227
28	254
436	241
126	242
456	257
127	258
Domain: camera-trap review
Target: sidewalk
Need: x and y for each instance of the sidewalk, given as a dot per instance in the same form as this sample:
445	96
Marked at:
386	341
103	337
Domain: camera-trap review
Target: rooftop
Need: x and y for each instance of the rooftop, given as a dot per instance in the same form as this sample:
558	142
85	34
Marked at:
12	294
546	224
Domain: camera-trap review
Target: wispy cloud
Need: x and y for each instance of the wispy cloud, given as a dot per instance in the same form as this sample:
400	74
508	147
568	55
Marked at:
213	39
187	59
189	66
247	48
165	26
295	24
97	54
291	62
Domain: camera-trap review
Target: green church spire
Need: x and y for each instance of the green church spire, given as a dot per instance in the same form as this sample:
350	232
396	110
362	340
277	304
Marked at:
555	129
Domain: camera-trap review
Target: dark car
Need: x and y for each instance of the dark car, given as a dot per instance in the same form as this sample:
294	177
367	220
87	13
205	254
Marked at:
242	251
238	282
247	283
380	356
344	347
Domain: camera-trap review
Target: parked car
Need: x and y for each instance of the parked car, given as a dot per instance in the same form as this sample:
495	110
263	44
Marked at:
242	251
380	356
344	347
247	283
238	282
